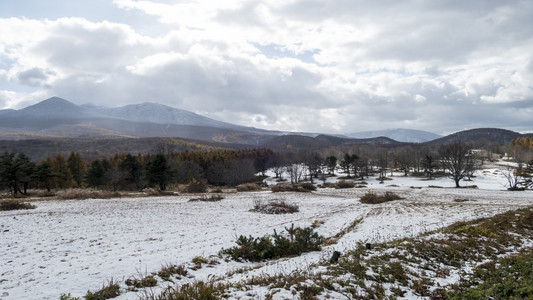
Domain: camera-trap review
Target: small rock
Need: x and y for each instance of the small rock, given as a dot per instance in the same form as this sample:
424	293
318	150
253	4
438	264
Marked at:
335	257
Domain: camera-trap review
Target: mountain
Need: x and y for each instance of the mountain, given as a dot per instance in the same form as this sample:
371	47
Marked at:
294	142
57	117
492	135
161	114
399	134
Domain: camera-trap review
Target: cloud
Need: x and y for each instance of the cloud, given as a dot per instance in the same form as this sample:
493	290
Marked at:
319	66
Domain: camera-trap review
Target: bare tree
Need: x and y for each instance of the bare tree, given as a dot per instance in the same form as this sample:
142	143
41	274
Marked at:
458	160
514	177
403	159
296	172
277	163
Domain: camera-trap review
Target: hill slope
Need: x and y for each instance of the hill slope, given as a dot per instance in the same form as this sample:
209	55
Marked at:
493	135
399	134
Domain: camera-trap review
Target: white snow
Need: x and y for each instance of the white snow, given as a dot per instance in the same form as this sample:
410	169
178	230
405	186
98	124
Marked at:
75	246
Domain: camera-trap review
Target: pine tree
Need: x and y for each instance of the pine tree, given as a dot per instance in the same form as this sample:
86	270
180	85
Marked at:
158	171
76	167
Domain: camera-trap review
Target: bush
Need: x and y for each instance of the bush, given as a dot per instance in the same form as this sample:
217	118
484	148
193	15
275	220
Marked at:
246	187
168	270
298	241
302	187
373	198
212	198
68	297
148	281
14	205
344	184
196	186
308	186
112	290
275	207
328	185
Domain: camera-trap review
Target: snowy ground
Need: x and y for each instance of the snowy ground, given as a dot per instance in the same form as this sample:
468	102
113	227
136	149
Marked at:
75	246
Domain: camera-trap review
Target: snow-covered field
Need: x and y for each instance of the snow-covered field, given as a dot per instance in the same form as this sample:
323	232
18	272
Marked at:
75	246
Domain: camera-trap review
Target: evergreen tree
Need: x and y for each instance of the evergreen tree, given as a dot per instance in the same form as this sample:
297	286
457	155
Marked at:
132	171
428	163
8	172
95	174
16	171
24	169
331	164
43	175
62	176
76	167
158	171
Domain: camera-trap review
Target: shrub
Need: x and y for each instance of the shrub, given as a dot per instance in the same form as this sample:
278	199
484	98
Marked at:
168	270
14	205
112	290
328	185
344	184
196	186
212	198
308	186
148	281
198	261
302	187
246	187
298	241
461	200
275	207
68	297
373	198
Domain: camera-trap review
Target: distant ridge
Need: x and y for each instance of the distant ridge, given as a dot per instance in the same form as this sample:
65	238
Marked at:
398	134
493	135
56	118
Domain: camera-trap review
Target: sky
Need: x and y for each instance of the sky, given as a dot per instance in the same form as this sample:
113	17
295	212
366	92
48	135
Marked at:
312	66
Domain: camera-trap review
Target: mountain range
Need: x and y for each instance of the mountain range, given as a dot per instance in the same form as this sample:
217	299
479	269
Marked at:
56	118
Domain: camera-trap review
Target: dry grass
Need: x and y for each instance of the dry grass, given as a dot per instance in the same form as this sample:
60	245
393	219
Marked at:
11	204
248	187
82	194
302	187
212	198
345	184
275	207
373	198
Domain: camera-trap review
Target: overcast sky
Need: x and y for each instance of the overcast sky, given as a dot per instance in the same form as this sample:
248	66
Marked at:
316	66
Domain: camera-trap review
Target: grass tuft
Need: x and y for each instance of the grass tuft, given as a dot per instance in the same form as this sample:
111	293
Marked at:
111	290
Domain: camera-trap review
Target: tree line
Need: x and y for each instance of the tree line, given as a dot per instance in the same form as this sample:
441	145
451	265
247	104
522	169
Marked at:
131	172
457	160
